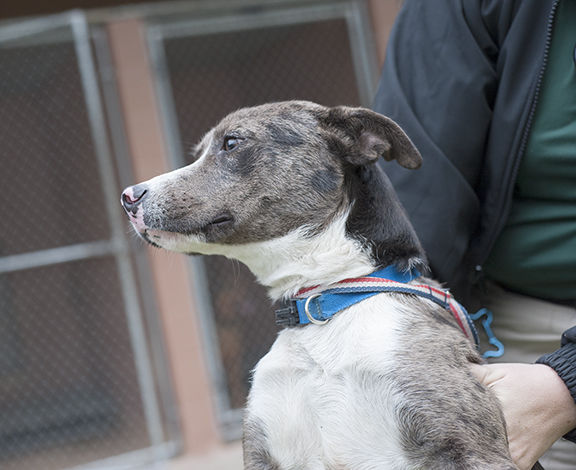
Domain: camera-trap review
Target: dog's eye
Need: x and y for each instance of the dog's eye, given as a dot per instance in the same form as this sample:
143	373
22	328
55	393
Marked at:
230	142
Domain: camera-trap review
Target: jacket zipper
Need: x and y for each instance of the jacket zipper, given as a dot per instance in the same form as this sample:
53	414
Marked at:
501	221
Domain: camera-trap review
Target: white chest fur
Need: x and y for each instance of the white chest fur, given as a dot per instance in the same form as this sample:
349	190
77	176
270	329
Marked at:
322	393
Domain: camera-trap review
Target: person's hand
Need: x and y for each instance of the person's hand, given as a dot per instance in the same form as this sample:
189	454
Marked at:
537	406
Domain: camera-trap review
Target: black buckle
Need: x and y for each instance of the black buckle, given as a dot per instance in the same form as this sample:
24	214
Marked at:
288	316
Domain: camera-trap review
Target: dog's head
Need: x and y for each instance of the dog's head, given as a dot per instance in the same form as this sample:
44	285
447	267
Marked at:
266	171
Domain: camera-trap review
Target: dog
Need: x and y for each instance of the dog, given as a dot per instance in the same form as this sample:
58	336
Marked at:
294	191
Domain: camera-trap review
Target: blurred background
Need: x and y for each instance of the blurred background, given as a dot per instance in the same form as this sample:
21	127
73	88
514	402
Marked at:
114	355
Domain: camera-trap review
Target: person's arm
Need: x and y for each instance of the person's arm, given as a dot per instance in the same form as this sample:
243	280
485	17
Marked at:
538	400
563	361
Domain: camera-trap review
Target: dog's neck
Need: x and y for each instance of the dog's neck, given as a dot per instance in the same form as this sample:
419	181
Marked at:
298	259
378	217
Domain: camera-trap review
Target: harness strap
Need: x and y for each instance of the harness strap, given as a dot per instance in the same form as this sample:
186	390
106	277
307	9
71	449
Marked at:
318	305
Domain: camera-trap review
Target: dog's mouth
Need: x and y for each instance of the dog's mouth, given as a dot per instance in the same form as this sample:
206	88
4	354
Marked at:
169	235
214	227
185	227
221	221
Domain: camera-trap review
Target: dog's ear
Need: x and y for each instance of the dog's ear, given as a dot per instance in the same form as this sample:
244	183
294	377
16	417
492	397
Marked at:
368	136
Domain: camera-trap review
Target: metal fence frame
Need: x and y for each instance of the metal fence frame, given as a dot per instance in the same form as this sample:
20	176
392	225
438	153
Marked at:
101	105
276	13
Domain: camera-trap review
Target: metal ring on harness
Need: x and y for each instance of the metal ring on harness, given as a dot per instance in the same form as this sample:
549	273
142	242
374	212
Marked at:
309	315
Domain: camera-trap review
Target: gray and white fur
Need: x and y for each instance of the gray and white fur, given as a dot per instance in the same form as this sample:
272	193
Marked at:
293	190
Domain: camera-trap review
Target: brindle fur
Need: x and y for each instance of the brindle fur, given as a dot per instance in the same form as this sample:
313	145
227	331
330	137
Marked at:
298	167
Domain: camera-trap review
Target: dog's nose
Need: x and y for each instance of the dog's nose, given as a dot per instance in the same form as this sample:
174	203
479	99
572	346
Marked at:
133	196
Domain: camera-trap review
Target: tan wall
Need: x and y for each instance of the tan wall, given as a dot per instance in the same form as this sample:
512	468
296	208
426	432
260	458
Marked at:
170	273
383	13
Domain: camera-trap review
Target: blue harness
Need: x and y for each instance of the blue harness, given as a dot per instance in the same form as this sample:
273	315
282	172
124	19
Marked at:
317	305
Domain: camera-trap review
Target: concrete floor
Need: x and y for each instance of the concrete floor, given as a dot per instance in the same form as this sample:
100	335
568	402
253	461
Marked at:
228	457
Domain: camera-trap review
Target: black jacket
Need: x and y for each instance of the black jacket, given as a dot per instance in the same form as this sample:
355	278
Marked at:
462	78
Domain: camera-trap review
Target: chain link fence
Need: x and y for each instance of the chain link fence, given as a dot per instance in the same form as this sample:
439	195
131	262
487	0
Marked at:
75	371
